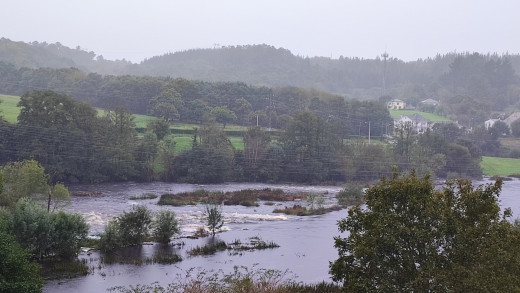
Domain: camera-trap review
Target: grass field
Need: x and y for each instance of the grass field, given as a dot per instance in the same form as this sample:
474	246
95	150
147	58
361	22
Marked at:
8	108
396	114
492	166
184	142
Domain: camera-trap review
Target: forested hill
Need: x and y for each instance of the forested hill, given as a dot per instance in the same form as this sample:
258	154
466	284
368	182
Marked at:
265	65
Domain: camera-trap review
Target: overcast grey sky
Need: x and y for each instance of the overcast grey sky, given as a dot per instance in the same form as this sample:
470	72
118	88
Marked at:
138	29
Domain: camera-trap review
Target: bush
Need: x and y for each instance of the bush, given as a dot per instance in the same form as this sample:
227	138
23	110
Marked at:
110	239
17	274
47	234
351	194
70	232
165	225
33	228
134	226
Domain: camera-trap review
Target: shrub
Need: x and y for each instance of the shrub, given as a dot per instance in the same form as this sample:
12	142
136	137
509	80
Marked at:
208	249
134	226
351	194
33	228
17	274
165	225
110	239
70	232
46	234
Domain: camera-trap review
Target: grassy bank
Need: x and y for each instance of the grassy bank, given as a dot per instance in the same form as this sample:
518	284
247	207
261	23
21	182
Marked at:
494	166
8	108
396	114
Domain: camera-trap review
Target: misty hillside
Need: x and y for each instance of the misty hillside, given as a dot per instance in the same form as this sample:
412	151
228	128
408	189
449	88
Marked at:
256	65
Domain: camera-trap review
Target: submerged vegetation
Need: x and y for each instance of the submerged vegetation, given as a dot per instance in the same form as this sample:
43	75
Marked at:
298	210
144	196
247	197
235	247
160	258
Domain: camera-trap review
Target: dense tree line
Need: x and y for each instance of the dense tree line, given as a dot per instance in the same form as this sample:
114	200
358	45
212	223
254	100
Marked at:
76	145
72	142
489	78
195	101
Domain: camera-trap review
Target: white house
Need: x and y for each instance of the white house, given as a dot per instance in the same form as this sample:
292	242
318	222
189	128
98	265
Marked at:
431	102
396	104
489	123
419	123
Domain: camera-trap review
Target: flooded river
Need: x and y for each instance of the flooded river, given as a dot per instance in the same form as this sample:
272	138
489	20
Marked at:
306	243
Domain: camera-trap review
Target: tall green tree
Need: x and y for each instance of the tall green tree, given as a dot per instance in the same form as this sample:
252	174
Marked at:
411	237
164	105
17	273
29	179
313	148
118	142
223	115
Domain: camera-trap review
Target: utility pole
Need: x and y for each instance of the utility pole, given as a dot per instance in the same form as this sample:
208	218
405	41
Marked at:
368	132
270	109
384	55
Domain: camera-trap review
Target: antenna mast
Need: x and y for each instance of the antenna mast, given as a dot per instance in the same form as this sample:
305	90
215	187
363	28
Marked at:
385	56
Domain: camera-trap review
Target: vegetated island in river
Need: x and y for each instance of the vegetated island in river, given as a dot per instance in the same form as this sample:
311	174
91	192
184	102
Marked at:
250	197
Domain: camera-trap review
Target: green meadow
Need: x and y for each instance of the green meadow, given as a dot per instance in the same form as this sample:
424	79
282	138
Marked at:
9	111
396	114
494	166
8	108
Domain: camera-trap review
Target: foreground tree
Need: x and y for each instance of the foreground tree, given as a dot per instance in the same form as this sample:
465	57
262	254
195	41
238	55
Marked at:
17	274
413	238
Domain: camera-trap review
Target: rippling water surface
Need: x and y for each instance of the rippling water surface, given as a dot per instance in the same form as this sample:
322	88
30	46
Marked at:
306	243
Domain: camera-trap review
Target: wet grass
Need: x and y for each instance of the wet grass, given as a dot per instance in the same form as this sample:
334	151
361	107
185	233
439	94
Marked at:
144	196
208	249
163	258
247	197
235	247
64	269
298	210
255	243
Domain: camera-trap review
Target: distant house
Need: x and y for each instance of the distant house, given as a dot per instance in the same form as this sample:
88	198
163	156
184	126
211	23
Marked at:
490	122
430	102
396	104
419	123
